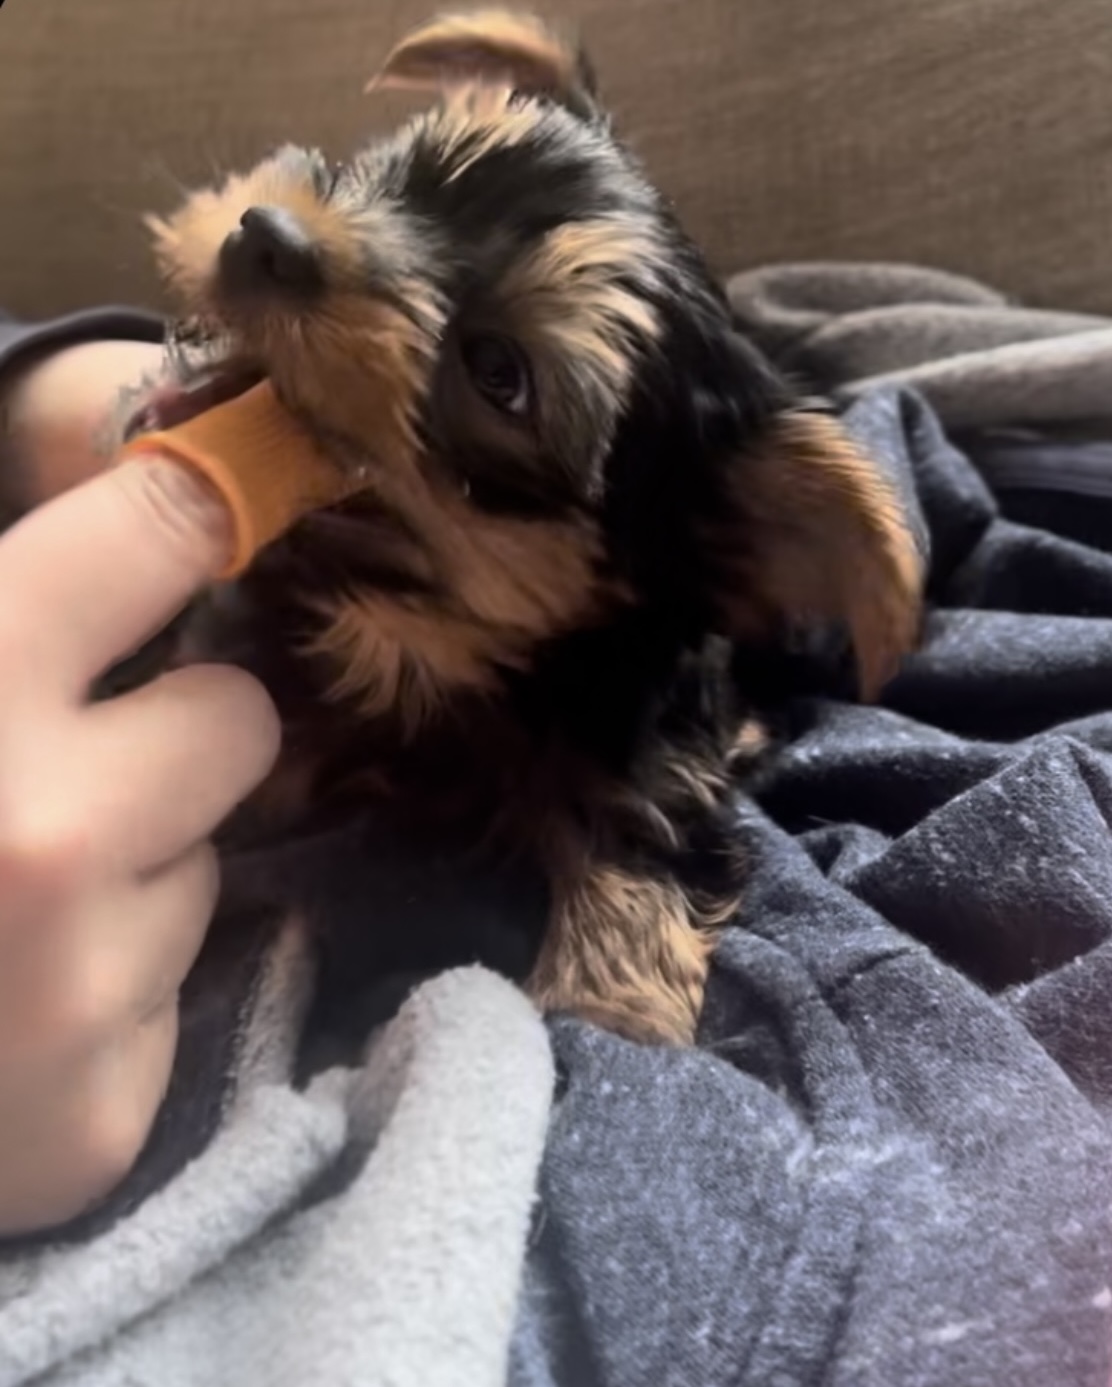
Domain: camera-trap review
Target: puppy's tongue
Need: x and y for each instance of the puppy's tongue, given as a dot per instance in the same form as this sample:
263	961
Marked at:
268	468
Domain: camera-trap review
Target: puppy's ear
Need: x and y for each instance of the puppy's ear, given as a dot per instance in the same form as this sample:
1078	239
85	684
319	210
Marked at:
811	530
495	47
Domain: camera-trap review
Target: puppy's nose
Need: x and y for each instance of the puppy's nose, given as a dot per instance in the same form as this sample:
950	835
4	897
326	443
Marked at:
270	253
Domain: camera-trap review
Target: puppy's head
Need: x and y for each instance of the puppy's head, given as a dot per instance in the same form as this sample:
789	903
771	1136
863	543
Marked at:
494	316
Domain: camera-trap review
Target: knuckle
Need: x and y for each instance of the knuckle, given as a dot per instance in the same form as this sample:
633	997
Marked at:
250	695
246	705
107	1139
113	1119
83	1004
44	850
262	717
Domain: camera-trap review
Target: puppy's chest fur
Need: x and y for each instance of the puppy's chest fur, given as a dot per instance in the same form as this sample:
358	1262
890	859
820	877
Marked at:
617	745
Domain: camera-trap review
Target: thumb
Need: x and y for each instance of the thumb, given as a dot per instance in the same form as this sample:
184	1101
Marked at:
104	567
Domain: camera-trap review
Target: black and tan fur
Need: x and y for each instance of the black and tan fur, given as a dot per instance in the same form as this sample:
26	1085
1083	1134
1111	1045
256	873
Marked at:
534	631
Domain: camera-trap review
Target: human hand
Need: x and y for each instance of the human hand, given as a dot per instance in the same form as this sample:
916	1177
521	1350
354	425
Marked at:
107	881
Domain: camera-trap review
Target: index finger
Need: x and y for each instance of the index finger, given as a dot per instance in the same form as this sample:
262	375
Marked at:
90	576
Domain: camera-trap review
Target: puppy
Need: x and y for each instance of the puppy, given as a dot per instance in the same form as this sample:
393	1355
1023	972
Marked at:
592	511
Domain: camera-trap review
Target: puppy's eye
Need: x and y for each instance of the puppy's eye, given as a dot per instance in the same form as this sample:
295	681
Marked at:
500	373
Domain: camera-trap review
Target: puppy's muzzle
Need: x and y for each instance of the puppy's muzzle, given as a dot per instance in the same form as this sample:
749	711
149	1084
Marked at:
270	255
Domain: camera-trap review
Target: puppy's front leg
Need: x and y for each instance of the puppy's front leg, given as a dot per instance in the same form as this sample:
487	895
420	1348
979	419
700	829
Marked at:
624	951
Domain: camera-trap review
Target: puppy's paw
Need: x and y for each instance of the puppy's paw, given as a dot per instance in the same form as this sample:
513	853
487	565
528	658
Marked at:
626	953
639	1020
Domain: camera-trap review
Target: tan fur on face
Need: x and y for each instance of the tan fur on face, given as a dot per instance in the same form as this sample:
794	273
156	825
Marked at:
358	365
825	538
627	953
510	584
568	293
359	368
188	242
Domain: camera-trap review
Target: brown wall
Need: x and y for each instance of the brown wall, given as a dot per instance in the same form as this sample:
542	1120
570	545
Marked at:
972	134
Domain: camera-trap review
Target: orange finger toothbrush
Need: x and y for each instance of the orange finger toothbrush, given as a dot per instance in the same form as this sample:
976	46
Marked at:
267	467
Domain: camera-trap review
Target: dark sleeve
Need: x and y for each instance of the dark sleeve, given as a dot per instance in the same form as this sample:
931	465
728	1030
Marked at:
22	342
19	340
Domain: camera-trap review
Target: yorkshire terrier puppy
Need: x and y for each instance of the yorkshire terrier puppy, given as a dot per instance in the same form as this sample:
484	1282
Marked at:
591	508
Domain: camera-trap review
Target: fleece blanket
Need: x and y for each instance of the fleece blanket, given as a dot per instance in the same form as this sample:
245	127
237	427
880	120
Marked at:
888	1162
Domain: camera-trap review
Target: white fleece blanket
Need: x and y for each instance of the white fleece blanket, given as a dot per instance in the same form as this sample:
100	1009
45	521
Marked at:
236	1274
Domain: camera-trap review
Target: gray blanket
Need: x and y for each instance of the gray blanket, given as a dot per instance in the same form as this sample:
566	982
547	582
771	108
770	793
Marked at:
887	1163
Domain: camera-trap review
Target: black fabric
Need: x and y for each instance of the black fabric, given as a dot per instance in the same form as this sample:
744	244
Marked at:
21	343
19	340
889	1165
